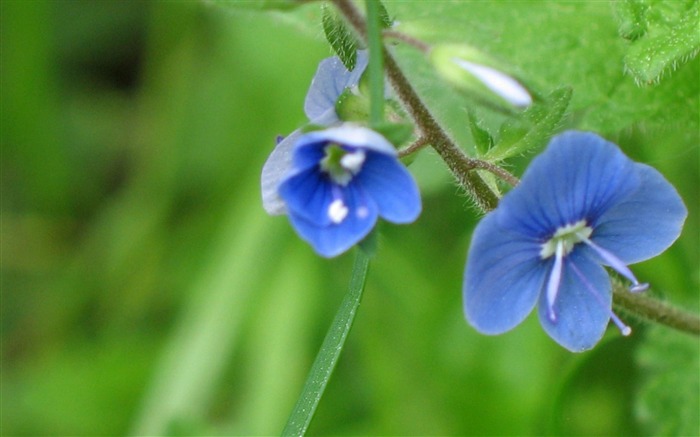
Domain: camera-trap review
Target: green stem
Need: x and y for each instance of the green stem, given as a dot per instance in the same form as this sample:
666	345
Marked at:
656	311
328	355
458	162
463	168
376	67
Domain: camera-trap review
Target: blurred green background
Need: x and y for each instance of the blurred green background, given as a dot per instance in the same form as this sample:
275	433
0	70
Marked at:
145	291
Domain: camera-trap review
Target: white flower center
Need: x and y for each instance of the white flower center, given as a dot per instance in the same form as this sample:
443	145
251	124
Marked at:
568	236
560	245
341	165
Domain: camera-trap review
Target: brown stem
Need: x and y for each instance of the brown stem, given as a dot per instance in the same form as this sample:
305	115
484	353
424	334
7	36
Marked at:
413	147
420	45
458	162
656	311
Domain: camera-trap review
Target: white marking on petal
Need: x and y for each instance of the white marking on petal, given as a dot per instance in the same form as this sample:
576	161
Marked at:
362	212
498	82
337	211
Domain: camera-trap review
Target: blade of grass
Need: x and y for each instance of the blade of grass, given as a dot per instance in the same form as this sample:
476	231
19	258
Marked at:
327	357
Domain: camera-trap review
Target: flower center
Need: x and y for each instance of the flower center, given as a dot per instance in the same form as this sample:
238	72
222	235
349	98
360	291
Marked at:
567	236
560	245
340	164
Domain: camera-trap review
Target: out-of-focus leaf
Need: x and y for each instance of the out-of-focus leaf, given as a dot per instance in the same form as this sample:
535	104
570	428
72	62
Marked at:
630	17
540	120
671	37
669	395
283	5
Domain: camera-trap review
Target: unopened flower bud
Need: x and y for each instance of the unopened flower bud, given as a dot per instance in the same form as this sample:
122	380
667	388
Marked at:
476	73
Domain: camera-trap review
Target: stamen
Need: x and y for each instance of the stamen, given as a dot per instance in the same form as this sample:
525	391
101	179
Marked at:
353	161
619	266
624	329
337	211
554	280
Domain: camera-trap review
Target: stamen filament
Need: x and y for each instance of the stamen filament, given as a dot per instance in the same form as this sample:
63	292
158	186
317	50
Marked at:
554	280
624	329
618	265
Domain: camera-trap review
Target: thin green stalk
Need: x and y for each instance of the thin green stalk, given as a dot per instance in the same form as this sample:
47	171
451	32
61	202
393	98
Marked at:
459	163
376	67
327	357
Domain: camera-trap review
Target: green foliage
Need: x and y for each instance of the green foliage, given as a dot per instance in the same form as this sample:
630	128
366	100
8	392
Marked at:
397	133
668	401
665	35
283	5
328	355
482	138
533	128
145	291
341	39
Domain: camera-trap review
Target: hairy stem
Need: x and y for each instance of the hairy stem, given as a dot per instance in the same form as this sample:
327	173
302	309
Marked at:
655	311
463	169
420	45
458	162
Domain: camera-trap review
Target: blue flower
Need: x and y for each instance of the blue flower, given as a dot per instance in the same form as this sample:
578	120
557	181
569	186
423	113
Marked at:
581	205
331	80
341	180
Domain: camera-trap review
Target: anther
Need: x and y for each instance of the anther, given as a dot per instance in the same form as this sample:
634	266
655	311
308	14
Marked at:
353	161
639	287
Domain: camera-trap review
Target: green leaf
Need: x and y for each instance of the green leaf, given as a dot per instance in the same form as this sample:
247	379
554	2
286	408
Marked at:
384	18
630	16
332	346
342	41
541	119
671	38
396	133
482	137
668	401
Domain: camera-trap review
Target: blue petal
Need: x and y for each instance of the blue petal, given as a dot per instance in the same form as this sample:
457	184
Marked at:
329	82
308	194
278	164
582	307
334	239
579	176
308	154
391	186
644	224
503	277
352	135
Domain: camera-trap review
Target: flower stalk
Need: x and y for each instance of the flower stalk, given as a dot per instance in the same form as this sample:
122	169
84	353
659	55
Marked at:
458	162
462	167
653	310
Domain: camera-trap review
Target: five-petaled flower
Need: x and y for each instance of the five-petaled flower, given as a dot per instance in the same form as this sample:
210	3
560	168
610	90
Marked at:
581	205
341	180
335	183
331	80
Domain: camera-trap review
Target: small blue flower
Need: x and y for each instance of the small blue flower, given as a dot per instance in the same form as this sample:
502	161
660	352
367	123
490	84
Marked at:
581	205
331	80
341	180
